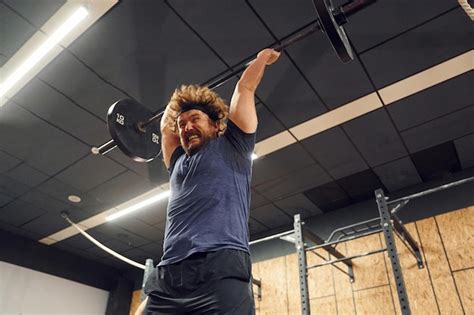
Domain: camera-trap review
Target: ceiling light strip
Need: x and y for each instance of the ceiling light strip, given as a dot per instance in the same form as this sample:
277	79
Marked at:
71	20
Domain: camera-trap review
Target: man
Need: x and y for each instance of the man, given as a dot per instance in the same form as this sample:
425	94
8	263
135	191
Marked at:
207	148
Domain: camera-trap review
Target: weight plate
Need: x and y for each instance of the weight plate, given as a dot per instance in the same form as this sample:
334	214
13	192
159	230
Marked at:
122	119
336	34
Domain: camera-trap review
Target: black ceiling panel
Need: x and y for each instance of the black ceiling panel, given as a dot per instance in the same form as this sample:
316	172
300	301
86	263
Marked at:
4	199
156	249
154	50
271	215
434	102
143	169
360	186
376	137
464	148
110	230
280	163
423	47
295	182
18	231
7	161
298	204
48	150
11	187
398	174
386	19
84	87
268	124
337	83
136	254
90	172
283	16
257	200
121	188
46	224
27	175
19	32
328	197
443	129
37	12
335	152
60	111
44	201
19	212
153	214
215	26
256	227
437	162
140	228
288	95
60	191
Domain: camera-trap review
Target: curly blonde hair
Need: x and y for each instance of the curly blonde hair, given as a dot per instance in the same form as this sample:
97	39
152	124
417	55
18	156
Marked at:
202	95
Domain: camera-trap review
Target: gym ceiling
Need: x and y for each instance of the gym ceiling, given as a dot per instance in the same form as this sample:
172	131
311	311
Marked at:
400	115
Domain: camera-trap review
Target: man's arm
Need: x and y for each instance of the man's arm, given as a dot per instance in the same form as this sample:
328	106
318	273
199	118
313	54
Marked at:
169	139
141	307
242	106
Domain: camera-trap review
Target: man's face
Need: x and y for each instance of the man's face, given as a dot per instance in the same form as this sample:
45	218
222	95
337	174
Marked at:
195	129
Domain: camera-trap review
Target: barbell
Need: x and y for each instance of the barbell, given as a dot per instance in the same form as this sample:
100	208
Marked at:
135	130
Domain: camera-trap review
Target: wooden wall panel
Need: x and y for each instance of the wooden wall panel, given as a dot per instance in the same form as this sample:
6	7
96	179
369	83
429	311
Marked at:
343	287
369	271
323	305
457	233
442	280
320	281
274	291
374	301
135	301
464	282
417	281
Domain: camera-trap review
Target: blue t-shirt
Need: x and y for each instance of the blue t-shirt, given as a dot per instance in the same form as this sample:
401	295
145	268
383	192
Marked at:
208	207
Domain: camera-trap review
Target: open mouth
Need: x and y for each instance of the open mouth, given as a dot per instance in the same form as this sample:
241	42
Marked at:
192	138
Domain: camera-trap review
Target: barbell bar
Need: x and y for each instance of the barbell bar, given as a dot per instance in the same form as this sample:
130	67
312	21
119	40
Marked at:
135	129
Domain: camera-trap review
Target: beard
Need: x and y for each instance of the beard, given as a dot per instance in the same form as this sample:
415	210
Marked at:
193	146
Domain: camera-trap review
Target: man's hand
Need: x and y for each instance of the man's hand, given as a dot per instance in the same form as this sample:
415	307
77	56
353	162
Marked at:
270	55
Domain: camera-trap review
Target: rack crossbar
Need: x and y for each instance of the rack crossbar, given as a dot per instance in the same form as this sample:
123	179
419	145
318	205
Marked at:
351	226
330	262
271	237
350	238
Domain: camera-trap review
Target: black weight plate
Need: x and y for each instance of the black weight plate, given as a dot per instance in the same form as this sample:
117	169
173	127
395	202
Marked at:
336	34
122	119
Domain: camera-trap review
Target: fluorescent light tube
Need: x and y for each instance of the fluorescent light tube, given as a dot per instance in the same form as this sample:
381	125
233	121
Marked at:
139	205
39	53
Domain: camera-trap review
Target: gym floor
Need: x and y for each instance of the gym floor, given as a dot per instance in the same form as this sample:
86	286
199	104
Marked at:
399	117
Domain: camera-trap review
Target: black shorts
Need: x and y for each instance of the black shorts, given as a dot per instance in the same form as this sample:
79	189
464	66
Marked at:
204	283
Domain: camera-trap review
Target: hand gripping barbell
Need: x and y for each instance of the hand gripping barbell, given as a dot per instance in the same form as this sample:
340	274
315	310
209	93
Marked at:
136	130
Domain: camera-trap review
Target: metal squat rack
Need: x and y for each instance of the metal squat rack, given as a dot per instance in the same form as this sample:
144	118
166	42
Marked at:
388	222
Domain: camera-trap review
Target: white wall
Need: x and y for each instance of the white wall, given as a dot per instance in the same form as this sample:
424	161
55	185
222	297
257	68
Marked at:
25	291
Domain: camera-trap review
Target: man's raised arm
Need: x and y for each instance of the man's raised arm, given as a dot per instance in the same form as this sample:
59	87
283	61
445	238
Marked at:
242	110
169	139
